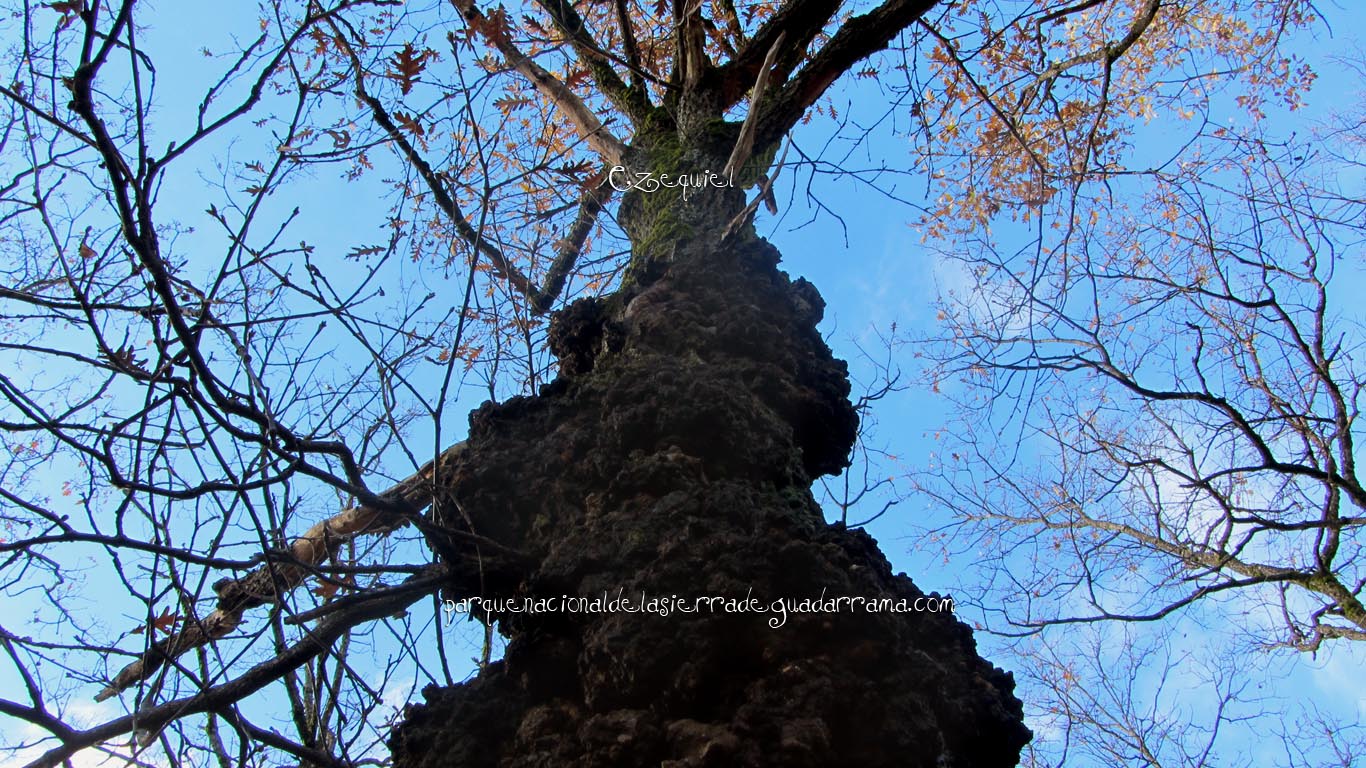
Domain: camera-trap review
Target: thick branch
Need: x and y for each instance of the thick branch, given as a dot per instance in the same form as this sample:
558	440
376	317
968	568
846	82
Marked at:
799	22
261	675
633	102
628	44
690	49
265	584
586	124
857	39
726	8
591	203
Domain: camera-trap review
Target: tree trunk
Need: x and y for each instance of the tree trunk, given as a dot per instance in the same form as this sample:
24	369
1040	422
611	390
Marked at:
673	456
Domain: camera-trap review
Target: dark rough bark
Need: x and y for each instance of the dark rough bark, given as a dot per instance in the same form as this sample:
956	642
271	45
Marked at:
674	456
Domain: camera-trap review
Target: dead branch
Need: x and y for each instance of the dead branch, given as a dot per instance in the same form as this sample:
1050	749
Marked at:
744	144
764	195
857	39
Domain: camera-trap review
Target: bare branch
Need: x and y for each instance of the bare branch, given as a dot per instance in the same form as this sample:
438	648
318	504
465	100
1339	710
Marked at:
585	123
267	583
591	203
216	698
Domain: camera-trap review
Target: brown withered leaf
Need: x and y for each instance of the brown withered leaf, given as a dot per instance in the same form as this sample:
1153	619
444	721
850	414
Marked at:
406	66
69	9
533	25
340	139
575	170
410	124
360	252
328	589
493	26
594	181
497	26
163	623
507	104
126	359
577	78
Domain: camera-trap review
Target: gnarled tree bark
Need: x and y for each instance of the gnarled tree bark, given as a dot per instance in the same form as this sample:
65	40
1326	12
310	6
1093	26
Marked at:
674	456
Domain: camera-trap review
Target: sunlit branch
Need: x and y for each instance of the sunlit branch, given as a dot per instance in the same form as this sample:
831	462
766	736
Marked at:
150	720
586	124
690	63
1006	120
744	145
1106	55
266	584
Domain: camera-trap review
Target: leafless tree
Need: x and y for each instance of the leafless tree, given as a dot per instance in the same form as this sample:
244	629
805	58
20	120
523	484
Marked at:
1190	391
1158	380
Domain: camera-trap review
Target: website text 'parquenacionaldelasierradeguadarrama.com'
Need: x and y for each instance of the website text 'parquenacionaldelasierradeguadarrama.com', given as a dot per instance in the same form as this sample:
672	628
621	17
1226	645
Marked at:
776	610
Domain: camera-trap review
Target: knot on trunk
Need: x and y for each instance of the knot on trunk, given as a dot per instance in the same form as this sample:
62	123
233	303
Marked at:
580	333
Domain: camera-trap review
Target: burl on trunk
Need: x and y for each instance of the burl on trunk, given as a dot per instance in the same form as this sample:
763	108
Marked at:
674	456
